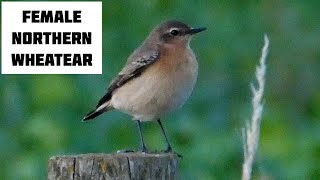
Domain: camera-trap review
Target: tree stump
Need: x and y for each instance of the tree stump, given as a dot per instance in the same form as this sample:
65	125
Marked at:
113	166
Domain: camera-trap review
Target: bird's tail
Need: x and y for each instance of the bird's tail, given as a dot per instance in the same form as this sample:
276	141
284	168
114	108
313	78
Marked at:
92	115
98	111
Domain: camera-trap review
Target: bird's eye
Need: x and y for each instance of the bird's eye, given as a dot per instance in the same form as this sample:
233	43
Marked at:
174	32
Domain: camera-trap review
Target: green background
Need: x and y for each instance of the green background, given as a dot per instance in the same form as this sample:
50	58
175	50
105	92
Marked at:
40	115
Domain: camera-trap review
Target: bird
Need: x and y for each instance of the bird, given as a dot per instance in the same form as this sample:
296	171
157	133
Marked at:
158	78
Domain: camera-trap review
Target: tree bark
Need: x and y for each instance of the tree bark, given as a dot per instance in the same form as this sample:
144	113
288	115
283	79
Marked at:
113	166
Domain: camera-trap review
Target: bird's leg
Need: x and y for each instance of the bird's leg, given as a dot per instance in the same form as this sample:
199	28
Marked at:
169	149
143	146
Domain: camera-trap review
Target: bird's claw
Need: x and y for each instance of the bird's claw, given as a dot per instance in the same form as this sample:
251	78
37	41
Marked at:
170	150
125	151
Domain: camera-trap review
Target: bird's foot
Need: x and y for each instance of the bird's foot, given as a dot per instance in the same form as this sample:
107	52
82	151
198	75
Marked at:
125	151
144	149
170	150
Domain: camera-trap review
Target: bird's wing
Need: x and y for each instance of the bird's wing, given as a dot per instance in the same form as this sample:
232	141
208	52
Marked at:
134	67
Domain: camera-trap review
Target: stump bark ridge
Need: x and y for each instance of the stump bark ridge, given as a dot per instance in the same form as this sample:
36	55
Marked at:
113	166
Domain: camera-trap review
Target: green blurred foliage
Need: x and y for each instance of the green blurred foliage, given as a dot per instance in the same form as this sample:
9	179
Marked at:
41	114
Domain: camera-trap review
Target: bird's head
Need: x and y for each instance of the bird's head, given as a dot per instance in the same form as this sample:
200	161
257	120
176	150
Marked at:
174	33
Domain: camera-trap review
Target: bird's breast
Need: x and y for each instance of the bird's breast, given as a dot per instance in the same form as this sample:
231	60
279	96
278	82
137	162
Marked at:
163	87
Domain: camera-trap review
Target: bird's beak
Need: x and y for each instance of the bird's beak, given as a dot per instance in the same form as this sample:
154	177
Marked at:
195	30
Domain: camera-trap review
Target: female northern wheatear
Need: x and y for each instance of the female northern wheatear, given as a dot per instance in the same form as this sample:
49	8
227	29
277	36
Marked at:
158	77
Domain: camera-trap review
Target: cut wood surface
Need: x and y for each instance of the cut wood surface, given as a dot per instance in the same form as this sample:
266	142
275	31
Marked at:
135	165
